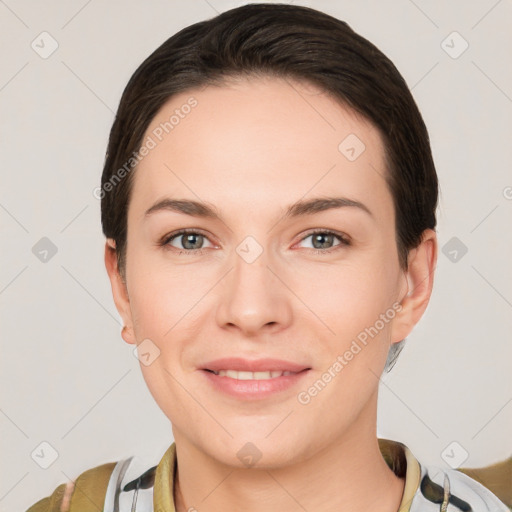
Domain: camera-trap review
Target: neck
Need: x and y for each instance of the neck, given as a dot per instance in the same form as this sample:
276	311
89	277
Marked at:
348	474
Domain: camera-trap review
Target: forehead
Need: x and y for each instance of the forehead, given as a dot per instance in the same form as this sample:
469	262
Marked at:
258	142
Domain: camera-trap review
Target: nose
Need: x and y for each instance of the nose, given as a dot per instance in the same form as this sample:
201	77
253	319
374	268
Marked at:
253	297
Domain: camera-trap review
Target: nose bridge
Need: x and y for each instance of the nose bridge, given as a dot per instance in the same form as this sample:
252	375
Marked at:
252	297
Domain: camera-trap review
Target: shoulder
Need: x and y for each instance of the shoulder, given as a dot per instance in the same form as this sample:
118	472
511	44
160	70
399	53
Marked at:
429	487
123	485
496	477
85	493
441	487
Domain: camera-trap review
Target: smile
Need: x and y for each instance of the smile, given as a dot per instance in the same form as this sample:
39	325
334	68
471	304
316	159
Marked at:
245	385
240	375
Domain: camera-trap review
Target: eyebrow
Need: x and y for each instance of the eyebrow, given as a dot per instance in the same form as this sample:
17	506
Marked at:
298	209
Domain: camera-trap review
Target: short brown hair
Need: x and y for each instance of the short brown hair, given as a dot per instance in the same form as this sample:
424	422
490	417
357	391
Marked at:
285	41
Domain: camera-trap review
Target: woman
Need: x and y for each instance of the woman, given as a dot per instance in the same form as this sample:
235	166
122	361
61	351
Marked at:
268	199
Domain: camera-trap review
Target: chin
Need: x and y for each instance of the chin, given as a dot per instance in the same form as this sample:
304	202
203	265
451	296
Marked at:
256	452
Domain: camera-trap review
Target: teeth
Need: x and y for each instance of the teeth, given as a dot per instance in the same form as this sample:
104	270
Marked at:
233	374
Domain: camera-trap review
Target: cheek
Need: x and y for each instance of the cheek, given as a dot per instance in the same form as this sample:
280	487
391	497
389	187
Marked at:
161	301
355	307
151	305
348	294
161	294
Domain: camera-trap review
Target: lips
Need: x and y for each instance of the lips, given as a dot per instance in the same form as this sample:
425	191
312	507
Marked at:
256	365
254	381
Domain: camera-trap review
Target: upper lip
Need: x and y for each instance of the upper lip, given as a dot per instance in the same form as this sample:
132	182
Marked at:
255	365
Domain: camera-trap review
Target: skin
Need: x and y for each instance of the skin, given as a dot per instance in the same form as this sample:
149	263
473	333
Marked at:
251	148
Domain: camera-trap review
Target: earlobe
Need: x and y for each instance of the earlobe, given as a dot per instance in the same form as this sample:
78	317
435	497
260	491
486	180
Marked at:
419	279
128	335
119	291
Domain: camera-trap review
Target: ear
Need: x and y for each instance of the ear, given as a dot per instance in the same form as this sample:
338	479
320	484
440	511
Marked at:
418	282
119	291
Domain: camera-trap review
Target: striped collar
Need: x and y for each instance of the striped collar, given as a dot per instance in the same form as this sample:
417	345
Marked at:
135	489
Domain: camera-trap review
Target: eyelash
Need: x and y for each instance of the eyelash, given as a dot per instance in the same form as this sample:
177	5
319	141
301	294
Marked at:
164	241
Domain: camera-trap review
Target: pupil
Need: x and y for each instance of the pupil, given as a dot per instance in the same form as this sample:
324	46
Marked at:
321	236
189	239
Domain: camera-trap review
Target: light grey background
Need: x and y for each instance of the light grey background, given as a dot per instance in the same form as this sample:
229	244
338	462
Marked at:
67	377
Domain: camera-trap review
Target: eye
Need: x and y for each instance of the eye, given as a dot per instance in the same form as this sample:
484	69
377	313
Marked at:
187	240
322	241
191	241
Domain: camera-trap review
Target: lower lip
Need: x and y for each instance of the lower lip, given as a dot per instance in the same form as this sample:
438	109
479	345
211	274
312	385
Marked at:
254	389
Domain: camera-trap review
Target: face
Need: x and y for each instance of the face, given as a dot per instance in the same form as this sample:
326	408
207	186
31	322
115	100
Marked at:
319	287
